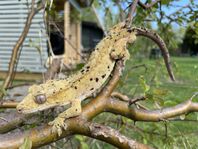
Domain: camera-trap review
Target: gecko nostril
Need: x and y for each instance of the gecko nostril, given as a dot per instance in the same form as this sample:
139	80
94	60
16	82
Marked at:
19	110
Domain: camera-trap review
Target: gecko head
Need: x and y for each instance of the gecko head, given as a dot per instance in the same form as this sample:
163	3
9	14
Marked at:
117	29
121	30
36	100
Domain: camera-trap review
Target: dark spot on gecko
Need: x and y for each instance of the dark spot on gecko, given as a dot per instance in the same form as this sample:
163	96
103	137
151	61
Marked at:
129	30
97	79
76	109
61	88
87	70
88	67
54	92
82	70
108	67
97	49
103	75
92	89
91	79
75	87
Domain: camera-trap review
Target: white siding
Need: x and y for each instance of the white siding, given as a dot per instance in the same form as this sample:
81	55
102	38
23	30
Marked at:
13	15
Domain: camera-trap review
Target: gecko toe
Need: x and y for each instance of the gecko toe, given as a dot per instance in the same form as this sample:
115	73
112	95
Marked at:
65	126
57	125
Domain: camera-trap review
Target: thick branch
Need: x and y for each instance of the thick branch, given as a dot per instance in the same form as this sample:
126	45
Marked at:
109	135
11	121
43	135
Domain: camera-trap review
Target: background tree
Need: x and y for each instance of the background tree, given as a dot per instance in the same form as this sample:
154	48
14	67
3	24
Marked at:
190	41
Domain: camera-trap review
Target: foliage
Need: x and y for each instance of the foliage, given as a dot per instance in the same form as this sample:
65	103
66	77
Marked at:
169	24
190	41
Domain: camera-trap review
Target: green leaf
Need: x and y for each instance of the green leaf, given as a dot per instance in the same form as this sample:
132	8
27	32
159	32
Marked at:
159	101
79	66
2	90
27	144
84	145
143	84
81	139
149	96
160	92
165	2
182	117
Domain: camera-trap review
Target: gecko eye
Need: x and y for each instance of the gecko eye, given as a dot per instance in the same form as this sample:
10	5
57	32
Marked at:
40	99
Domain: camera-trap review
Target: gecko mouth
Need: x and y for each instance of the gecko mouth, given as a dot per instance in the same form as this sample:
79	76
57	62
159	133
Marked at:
32	110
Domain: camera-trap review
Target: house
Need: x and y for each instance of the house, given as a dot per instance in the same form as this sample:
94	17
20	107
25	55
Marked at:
35	51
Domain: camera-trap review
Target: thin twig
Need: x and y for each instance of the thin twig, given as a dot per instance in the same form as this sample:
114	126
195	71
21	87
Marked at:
133	101
131	12
148	6
8	103
3	119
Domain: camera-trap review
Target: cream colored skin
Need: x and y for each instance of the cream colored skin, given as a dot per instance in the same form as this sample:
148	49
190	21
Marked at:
82	84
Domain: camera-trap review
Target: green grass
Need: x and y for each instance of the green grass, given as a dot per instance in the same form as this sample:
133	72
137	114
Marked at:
185	70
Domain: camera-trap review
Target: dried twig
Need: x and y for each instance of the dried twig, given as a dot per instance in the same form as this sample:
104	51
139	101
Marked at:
10	103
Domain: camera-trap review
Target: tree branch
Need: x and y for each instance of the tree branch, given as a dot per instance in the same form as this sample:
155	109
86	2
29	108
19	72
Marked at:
131	12
159	41
12	120
43	135
122	108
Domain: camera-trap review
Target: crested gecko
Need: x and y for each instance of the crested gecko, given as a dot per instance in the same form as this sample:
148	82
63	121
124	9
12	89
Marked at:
85	82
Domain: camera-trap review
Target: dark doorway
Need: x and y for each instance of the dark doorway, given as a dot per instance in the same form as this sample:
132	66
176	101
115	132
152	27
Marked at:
91	35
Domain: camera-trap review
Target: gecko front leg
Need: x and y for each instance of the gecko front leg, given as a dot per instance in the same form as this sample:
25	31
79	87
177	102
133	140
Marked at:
58	122
119	50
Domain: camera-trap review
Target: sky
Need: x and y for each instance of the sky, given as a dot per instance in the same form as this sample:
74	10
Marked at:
168	10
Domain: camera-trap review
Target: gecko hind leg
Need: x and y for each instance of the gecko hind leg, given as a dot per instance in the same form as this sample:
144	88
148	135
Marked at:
58	123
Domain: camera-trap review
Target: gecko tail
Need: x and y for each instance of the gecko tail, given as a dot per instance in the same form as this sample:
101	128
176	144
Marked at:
159	41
